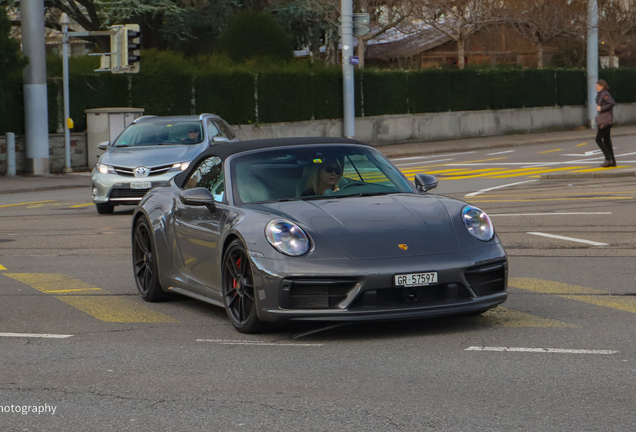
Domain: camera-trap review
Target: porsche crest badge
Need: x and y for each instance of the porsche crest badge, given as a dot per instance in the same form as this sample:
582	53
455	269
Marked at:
403	246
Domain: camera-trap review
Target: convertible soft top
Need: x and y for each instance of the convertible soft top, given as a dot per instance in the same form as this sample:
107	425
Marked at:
224	150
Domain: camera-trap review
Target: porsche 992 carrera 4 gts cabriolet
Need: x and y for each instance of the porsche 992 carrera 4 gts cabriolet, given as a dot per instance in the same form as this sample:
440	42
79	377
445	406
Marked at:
316	229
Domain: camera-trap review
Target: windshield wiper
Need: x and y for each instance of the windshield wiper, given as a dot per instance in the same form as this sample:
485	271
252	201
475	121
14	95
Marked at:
366	194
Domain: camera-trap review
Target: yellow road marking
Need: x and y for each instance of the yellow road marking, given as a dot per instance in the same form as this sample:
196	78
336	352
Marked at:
100	304
2	268
511	172
26	204
504	317
582	144
482	160
81	205
550	151
557	194
574	292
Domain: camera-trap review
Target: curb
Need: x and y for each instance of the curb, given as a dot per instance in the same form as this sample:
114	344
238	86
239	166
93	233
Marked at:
599	174
42	188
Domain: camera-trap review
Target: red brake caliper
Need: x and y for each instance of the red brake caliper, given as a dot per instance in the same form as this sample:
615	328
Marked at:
238	265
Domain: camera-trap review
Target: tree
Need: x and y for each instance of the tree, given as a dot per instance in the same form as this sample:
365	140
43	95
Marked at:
617	20
11	59
541	21
253	34
458	19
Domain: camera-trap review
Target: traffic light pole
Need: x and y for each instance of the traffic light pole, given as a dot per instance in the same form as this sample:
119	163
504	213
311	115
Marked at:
67	114
346	17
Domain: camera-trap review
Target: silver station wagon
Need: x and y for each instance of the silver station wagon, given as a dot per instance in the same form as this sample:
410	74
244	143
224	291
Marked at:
148	153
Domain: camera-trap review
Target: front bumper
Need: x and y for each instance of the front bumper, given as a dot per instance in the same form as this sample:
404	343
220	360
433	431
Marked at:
362	290
114	189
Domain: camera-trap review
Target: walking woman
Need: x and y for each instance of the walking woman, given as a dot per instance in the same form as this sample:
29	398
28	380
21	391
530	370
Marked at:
604	119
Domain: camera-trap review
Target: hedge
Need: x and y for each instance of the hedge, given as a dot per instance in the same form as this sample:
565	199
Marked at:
305	93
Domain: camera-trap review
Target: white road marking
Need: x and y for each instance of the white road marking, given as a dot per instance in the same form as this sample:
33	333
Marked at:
437	155
593	243
422	162
542	350
257	343
507	151
550	214
479	192
35	335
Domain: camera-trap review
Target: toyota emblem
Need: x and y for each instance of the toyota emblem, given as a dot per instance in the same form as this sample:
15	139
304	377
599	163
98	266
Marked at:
141	172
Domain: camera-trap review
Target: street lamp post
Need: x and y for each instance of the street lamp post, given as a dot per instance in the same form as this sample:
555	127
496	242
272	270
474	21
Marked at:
592	59
346	22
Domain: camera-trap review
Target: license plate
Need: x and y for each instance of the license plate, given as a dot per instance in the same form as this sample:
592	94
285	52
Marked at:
416	279
140	185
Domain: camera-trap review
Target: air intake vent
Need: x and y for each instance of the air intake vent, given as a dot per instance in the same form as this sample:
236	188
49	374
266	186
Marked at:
315	293
488	279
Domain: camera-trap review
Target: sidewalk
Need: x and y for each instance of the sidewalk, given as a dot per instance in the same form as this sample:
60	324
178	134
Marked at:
17	184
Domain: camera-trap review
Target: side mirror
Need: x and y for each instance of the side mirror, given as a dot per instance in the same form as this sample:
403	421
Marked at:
198	197
103	145
425	182
219	140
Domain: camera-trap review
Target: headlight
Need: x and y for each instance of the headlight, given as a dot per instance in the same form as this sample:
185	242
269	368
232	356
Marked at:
478	223
180	166
105	169
287	237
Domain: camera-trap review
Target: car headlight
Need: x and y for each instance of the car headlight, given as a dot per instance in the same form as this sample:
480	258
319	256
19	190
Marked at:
106	169
180	166
478	223
287	237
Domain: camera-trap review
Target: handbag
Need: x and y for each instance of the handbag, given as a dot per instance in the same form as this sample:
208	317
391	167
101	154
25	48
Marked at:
604	120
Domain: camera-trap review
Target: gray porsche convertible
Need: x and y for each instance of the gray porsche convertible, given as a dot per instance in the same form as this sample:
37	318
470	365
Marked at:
316	229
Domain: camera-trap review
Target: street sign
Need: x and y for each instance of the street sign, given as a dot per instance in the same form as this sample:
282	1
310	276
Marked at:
360	30
354	60
361	18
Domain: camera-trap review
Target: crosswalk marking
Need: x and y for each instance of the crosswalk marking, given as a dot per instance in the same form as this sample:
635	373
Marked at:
504	317
574	292
95	301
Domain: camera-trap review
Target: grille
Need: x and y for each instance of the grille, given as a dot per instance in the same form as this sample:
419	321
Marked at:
153	171
410	297
487	279
128	193
314	293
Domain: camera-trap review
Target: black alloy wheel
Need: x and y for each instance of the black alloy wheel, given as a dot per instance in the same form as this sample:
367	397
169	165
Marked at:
238	290
145	263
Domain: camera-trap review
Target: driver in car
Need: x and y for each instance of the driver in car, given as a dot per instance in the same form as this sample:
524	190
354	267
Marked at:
193	136
325	177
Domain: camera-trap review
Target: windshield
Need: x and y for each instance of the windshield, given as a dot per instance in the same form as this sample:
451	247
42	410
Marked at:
314	172
161	133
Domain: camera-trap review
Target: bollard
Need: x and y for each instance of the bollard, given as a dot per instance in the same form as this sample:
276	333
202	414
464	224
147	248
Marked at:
10	140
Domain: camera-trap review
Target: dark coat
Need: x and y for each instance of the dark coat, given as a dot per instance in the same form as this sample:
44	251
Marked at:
605	101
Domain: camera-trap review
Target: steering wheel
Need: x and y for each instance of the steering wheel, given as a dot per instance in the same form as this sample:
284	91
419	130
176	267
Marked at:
351	184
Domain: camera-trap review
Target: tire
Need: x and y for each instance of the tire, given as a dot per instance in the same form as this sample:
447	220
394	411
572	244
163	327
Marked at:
238	290
104	208
145	263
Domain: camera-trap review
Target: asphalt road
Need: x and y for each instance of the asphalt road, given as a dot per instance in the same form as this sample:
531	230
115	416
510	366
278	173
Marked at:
559	355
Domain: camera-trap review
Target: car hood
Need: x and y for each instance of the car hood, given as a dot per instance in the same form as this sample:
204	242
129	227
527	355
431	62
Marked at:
150	156
375	227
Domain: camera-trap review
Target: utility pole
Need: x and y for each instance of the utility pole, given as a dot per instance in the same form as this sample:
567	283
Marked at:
36	115
346	22
67	116
592	60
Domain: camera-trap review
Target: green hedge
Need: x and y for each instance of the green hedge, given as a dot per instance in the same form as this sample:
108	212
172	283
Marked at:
229	95
284	97
305	92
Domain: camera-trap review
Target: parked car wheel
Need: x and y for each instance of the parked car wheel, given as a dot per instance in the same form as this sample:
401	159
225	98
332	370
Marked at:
104	208
145	263
238	290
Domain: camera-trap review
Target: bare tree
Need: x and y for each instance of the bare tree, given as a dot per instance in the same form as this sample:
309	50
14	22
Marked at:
617	19
458	19
384	16
540	21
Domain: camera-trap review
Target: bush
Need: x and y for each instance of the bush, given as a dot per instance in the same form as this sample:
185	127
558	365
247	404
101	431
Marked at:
470	90
385	92
227	94
429	91
571	87
284	96
539	88
253	34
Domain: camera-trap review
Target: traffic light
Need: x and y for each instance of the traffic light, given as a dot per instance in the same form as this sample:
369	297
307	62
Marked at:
131	49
